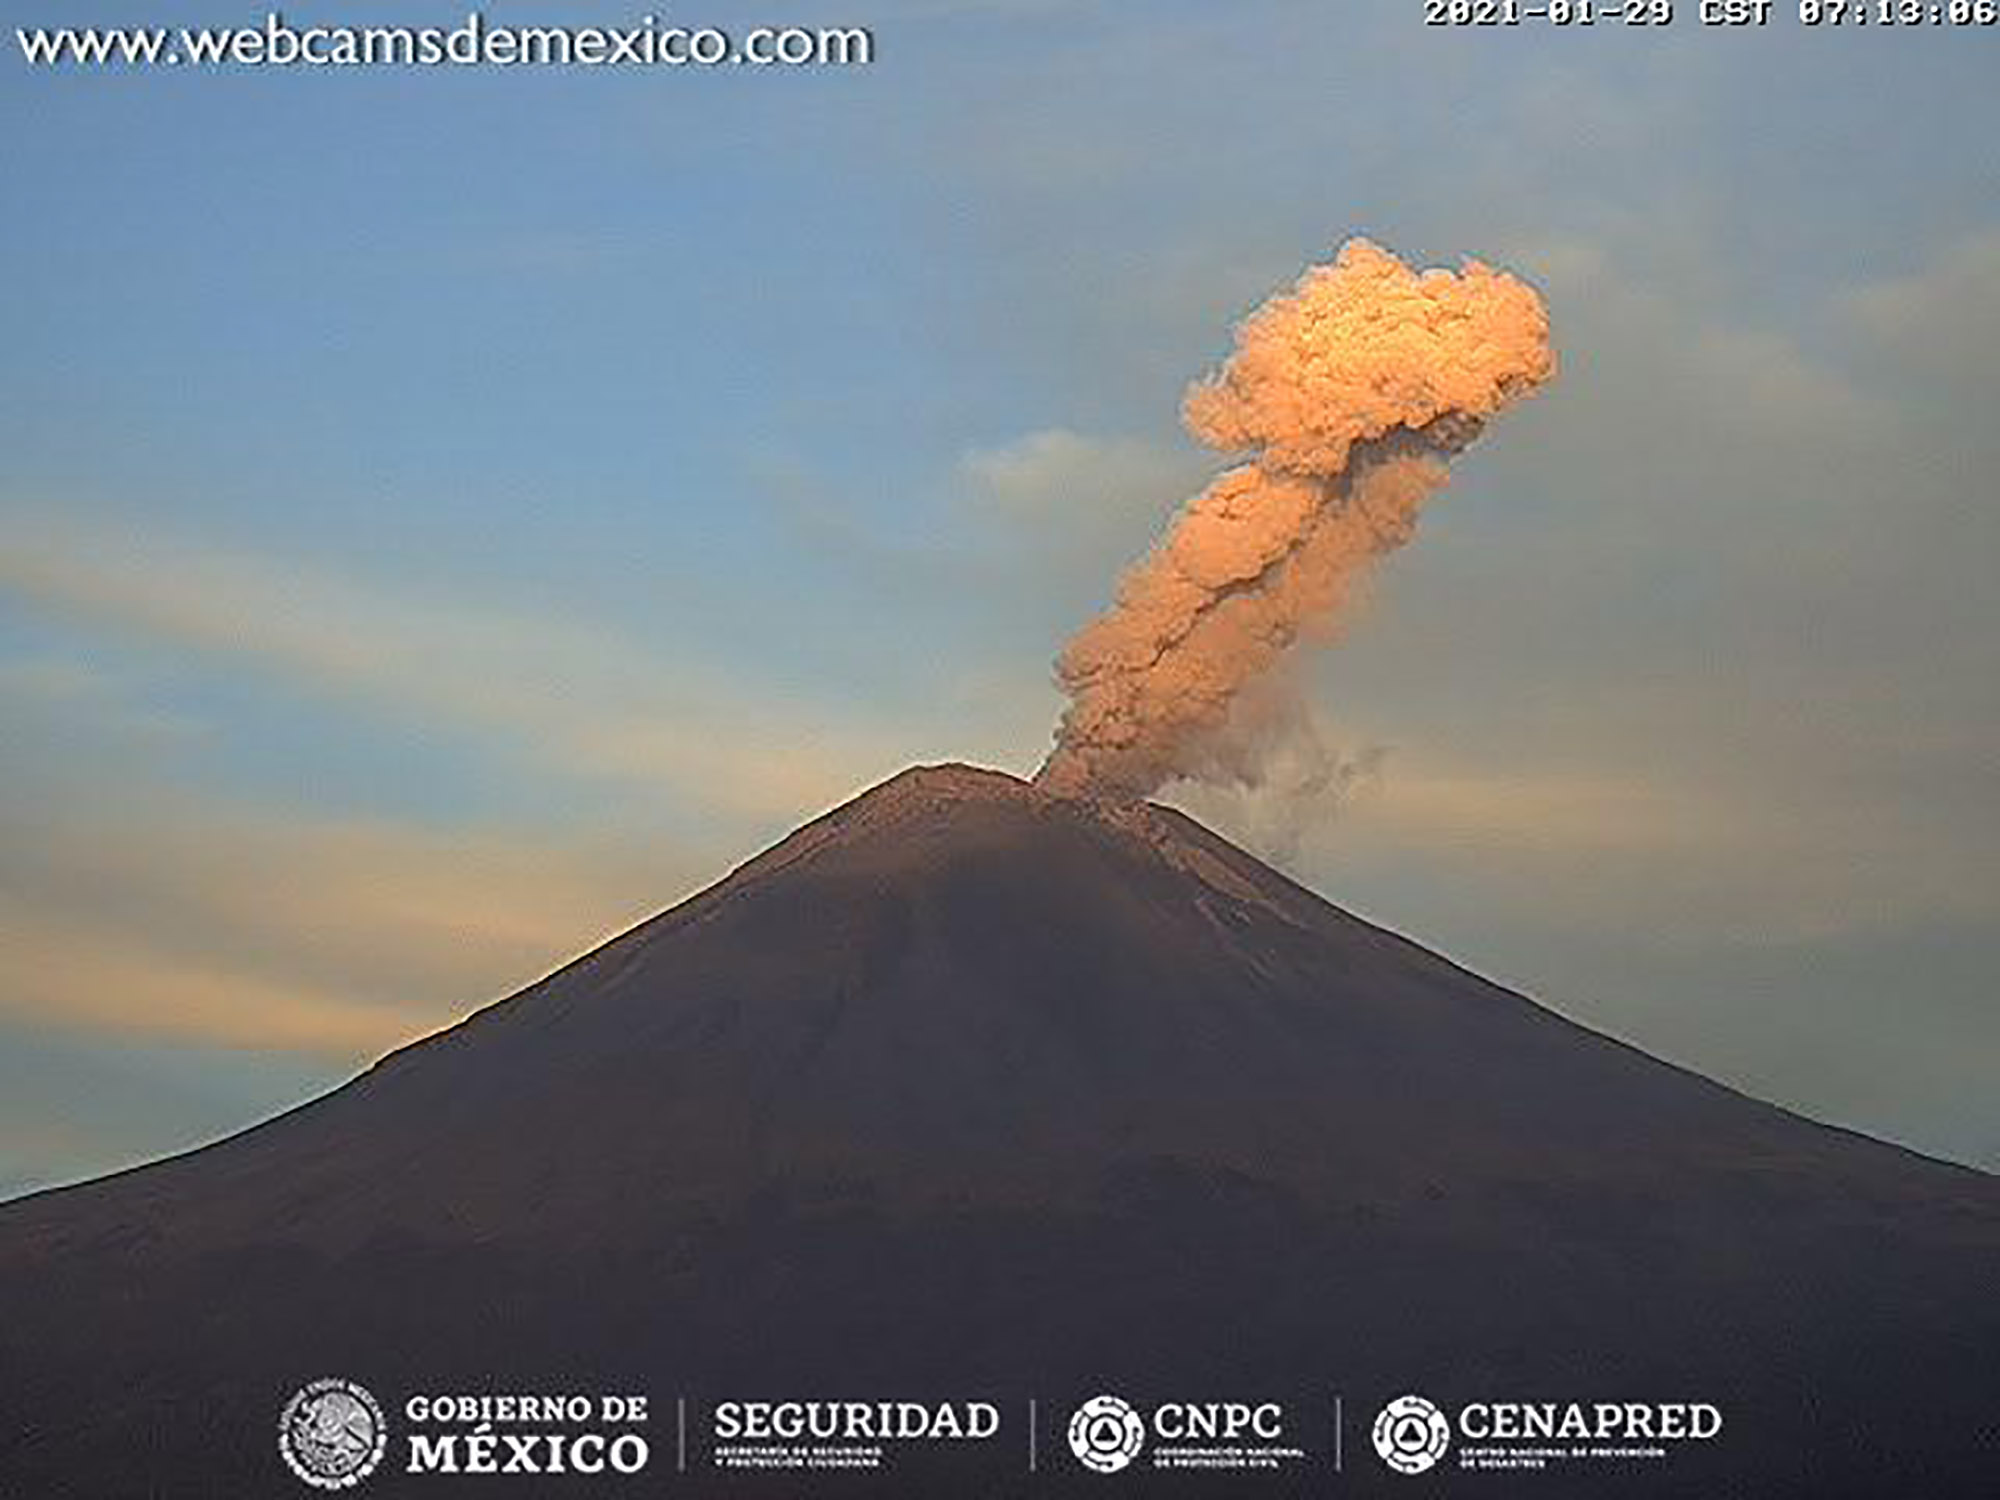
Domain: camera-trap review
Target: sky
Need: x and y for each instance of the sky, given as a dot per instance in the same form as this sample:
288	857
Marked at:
449	515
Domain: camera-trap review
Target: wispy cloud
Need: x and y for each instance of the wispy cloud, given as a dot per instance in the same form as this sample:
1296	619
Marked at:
1062	483
1663	860
205	920
1943	318
90	699
582	700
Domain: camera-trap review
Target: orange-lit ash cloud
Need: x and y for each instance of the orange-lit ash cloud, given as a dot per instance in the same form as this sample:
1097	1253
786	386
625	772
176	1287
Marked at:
1349	393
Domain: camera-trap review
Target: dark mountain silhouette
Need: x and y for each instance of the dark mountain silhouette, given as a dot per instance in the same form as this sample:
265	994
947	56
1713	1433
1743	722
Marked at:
964	1090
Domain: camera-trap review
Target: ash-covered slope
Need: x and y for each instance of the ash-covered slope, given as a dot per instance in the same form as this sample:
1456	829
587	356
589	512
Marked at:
966	1086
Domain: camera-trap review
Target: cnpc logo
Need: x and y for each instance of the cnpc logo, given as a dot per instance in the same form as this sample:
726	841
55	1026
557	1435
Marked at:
1106	1433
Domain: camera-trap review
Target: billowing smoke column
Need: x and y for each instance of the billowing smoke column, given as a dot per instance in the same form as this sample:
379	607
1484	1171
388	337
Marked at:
1349	392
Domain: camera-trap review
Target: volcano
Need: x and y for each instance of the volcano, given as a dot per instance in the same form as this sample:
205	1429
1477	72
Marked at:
968	1089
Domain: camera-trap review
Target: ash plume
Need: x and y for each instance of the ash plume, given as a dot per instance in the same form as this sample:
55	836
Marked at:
1348	393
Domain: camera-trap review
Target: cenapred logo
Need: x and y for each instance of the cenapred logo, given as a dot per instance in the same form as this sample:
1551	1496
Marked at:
1105	1434
332	1433
1411	1434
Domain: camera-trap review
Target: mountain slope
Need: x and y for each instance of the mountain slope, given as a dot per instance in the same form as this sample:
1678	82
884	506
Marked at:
963	1085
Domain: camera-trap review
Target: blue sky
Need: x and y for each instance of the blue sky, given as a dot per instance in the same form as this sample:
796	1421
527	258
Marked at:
448	515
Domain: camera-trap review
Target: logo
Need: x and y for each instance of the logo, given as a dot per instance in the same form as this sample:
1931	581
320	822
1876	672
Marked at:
1411	1434
1106	1434
331	1434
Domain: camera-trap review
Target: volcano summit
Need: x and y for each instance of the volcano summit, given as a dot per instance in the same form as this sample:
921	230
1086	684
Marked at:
969	1089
